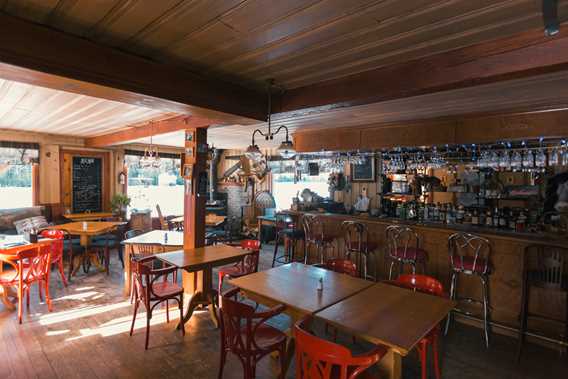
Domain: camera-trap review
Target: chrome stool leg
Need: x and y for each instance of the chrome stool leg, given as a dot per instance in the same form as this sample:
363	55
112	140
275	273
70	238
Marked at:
485	289
453	284
390	270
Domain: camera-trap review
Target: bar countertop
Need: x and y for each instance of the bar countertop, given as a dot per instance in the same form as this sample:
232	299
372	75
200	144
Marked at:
550	238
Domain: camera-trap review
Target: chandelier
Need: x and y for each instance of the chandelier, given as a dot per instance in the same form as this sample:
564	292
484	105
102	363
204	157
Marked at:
151	157
286	148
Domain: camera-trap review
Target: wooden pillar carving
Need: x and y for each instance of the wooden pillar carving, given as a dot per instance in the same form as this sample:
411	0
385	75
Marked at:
195	192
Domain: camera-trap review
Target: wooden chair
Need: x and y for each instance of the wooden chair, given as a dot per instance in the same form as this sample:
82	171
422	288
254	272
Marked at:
356	236
315	236
150	292
246	334
317	358
342	266
57	250
544	267
29	266
164	225
429	285
248	265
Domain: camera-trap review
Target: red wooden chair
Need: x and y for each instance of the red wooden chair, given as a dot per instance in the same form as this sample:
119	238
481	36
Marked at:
29	266
248	265
317	358
150	292
429	285
57	250
245	334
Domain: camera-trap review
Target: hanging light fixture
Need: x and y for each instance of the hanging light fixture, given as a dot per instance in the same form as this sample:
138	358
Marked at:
286	148
151	157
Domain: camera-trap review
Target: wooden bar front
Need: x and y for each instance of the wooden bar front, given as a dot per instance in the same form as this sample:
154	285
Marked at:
506	257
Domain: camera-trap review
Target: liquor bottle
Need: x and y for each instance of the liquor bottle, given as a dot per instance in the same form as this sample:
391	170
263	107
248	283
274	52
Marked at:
475	218
496	217
502	219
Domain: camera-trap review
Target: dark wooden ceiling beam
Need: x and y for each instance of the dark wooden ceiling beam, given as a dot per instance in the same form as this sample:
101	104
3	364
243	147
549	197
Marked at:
149	129
522	55
38	55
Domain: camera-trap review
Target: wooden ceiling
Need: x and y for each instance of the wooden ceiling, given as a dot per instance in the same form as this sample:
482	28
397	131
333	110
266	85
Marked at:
297	42
37	109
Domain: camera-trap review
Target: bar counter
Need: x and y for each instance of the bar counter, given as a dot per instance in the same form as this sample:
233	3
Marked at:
506	257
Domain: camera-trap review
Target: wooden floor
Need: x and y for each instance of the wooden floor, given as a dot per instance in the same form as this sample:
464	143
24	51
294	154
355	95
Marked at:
86	336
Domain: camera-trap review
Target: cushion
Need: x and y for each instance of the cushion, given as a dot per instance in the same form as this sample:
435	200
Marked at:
27	224
411	253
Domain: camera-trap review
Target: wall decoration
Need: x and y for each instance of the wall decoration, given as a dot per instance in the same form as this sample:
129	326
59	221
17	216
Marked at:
364	171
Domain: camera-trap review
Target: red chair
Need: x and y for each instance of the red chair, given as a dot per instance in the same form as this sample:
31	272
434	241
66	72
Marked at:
57	250
342	266
245	334
29	266
248	265
317	358
150	292
429	285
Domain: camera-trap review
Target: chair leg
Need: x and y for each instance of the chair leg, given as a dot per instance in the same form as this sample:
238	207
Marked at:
167	311
485	285
453	283
422	351
222	361
121	254
148	316
47	297
282	358
62	272
20	303
390	269
70	267
436	356
181	315
136	304
276	242
107	260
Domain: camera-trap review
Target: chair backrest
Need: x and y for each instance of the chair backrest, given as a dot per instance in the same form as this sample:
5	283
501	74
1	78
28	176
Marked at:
163	223
144	277
420	283
132	233
58	236
235	315
355	234
546	266
313	228
469	252
32	264
401	241
317	358
250	261
342	266
146	249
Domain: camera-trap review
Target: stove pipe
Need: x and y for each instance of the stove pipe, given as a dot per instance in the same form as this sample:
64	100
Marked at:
215	155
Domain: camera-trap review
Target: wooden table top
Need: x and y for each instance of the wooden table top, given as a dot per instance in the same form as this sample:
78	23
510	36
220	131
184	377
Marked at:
87	216
388	315
157	237
203	257
295	285
13	244
93	227
210	220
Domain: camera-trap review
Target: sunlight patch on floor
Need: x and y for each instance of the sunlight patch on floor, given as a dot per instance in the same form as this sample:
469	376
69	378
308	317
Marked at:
73	314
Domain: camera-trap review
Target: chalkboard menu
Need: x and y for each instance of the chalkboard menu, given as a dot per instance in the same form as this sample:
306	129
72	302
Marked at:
87	184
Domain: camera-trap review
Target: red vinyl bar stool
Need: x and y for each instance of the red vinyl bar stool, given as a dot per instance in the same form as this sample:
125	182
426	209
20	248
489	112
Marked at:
287	232
429	285
315	236
470	255
403	247
322	359
544	267
356	236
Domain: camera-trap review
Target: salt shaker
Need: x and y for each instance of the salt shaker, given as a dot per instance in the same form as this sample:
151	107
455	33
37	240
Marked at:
166	237
84	225
320	284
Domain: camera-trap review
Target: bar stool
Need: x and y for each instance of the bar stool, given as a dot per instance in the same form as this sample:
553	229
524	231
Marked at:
315	236
470	255
403	247
356	236
543	267
286	232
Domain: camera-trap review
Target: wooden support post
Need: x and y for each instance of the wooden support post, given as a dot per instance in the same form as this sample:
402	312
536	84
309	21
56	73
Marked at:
195	195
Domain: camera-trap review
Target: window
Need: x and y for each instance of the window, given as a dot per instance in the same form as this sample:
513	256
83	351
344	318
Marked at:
284	188
16	174
148	187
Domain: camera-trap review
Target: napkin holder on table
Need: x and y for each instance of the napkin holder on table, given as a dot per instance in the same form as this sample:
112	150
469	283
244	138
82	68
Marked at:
31	237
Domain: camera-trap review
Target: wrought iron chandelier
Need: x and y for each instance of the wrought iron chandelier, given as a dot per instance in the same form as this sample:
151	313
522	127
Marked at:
286	148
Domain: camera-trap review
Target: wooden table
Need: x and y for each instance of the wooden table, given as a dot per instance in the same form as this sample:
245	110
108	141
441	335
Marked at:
93	228
155	237
9	249
94	216
295	285
384	314
203	259
211	220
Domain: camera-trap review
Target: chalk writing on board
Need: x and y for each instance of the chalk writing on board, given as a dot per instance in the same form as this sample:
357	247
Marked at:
87	184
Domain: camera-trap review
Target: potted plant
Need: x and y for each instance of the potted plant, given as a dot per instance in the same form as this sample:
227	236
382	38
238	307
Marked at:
118	203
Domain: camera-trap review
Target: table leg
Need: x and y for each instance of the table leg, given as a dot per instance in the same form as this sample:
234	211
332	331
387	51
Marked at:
390	366
206	297
127	251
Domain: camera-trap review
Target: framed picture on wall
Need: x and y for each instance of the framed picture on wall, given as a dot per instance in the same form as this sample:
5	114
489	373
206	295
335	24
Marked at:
364	172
